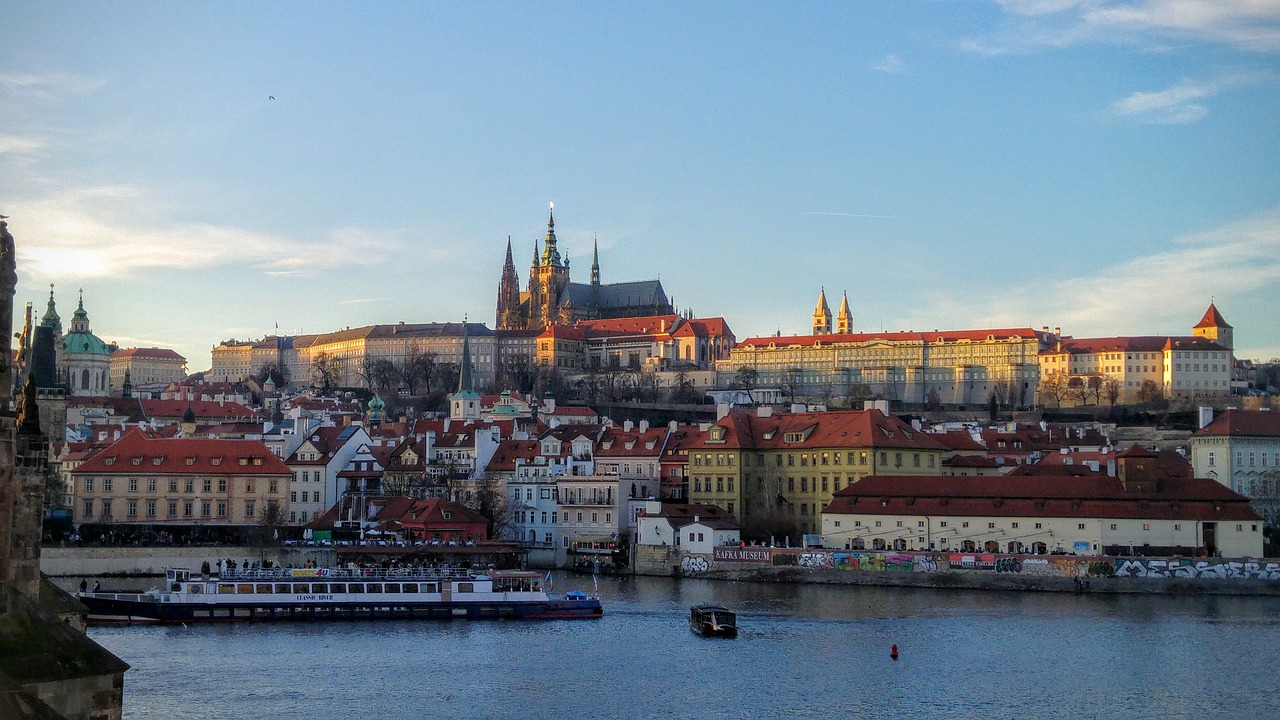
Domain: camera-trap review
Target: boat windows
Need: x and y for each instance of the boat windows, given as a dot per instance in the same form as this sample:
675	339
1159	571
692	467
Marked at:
410	587
226	588
282	588
302	588
464	587
375	587
355	588
393	587
430	587
195	589
338	587
264	588
244	589
320	588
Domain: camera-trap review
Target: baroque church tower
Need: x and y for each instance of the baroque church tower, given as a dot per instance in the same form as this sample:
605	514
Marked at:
548	278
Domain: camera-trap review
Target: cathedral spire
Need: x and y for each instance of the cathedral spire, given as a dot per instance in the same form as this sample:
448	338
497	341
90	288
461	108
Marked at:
51	318
595	261
550	255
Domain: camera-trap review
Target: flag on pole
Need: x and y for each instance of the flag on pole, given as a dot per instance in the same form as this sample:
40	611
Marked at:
548	580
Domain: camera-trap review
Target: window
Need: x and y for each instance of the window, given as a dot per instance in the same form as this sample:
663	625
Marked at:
919	523
132	509
942	524
1113	526
206	509
1013	525
248	485
88	508
173	485
293	496
222	485
991	526
222	509
151	484
1039	525
248	508
964	524
208	485
133	484
188	508
173	508
106	509
1080	526
88	485
190	486
272	485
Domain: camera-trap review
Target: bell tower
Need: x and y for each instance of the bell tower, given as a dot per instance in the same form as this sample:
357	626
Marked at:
822	315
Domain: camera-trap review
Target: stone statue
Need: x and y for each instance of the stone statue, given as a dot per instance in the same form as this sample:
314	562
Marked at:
28	411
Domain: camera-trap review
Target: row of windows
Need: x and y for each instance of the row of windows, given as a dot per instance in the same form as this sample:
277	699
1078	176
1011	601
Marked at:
188	485
207	508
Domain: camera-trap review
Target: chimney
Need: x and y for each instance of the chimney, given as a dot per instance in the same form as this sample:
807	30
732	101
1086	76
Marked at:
1206	415
673	426
764	411
627	426
722	409
643	426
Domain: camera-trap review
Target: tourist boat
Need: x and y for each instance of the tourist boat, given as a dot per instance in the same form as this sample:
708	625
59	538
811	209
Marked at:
340	594
713	621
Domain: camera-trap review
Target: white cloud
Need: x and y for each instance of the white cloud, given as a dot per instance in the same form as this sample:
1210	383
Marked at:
1160	293
119	230
360	301
891	64
1251	25
47	85
1177	104
20	145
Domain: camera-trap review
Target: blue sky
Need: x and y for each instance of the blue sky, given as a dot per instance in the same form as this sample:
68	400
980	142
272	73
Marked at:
1106	167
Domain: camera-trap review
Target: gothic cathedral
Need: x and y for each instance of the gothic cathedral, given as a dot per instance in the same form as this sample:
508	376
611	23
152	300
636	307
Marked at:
552	299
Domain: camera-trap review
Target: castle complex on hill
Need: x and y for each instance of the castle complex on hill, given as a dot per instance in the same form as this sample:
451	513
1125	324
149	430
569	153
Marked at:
552	299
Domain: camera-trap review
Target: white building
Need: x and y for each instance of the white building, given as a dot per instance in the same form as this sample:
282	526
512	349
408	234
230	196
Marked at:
1241	449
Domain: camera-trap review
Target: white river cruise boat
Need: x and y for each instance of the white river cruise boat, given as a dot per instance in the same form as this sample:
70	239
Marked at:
341	594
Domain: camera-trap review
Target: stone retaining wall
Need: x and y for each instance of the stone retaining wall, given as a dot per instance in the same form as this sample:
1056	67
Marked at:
1054	573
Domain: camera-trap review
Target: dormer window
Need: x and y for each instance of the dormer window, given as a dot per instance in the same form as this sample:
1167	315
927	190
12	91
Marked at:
157	460
136	460
793	437
215	461
191	460
257	461
109	461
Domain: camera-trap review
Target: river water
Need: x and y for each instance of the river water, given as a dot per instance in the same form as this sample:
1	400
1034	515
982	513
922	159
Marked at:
805	652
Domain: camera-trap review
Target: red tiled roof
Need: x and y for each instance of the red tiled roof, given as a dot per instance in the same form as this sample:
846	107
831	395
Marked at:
1146	343
958	441
1083	495
1212	318
849	428
504	458
932	337
614	441
137	453
1242	423
154	353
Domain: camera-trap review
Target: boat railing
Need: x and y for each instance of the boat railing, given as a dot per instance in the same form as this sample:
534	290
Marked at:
129	597
341	573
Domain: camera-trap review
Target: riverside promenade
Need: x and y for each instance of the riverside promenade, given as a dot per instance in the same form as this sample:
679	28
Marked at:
971	571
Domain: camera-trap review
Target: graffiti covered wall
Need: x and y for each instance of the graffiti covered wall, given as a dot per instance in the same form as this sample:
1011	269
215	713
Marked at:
1030	565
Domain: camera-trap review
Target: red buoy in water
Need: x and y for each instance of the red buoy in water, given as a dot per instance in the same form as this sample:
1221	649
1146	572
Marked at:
893	651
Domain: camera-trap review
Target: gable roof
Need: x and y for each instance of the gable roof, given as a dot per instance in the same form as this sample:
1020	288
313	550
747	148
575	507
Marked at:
1242	423
138	453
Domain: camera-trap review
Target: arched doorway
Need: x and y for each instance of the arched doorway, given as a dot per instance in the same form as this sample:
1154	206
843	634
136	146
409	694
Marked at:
968	546
859	544
1039	548
877	544
991	546
899	544
1015	547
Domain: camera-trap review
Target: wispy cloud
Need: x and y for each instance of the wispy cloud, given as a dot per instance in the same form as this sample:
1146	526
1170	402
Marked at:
1150	294
856	215
1251	25
119	230
1177	104
890	64
47	85
360	301
21	145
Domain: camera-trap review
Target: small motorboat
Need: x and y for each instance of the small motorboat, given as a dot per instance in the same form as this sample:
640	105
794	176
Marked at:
713	621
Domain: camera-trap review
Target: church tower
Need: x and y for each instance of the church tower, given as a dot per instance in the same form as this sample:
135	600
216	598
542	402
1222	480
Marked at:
548	280
822	315
1213	327
508	294
465	403
595	262
844	319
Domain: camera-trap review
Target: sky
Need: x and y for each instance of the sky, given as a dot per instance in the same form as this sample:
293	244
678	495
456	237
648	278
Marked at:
207	171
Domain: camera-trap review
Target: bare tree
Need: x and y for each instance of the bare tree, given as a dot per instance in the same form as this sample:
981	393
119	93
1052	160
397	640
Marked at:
791	380
1149	391
682	390
1093	385
324	372
415	368
1111	388
1055	385
745	380
490	500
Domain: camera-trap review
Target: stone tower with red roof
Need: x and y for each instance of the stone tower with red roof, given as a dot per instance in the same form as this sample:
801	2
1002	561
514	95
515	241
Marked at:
1213	327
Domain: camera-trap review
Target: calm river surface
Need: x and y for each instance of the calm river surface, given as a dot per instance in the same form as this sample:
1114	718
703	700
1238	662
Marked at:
805	652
